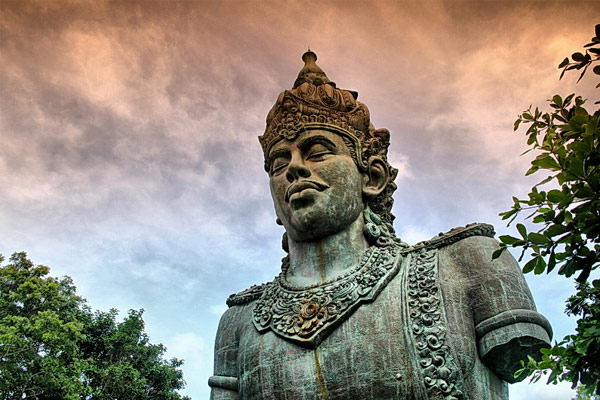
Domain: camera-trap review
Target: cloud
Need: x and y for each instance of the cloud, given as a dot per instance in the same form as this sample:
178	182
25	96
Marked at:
541	391
414	234
129	154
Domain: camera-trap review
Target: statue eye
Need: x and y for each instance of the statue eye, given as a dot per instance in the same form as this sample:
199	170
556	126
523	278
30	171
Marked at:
318	152
278	165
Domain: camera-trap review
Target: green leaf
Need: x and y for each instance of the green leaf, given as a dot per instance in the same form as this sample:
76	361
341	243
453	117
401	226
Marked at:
577	121
591	127
597	70
540	266
584	70
508	214
507	239
532	170
551	262
498	253
562	73
577	57
537	238
556	98
585	192
517	123
555	230
575	168
556	196
529	266
564	63
532	139
579	147
519	372
543	182
522	230
546	161
568	99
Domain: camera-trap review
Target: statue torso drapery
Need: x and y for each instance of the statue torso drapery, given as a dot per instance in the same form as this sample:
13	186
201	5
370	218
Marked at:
405	324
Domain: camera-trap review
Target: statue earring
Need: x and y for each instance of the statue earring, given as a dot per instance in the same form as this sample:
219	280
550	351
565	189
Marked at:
376	231
372	221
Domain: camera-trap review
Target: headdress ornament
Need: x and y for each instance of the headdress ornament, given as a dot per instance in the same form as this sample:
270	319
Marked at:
315	102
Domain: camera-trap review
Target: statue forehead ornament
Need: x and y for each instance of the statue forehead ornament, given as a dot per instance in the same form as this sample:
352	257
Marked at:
315	102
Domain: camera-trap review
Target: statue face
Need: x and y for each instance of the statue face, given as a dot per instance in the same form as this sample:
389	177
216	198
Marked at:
315	185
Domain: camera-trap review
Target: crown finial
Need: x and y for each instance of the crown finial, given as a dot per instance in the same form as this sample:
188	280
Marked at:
309	56
311	72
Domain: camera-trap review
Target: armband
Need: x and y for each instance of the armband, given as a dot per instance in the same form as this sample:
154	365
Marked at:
224	382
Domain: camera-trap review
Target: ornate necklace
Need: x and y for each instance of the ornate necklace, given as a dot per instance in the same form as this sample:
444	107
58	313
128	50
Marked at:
307	315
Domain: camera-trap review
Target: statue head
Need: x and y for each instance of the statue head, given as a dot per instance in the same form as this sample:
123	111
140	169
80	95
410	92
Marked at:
316	119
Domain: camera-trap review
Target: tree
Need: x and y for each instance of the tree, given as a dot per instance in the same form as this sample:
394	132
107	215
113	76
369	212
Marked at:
567	140
583	396
52	346
123	364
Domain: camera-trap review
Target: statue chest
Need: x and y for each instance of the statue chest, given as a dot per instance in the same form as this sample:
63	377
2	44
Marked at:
364	357
396	345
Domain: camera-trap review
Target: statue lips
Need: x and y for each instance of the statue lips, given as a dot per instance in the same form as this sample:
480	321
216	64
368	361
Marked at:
302	185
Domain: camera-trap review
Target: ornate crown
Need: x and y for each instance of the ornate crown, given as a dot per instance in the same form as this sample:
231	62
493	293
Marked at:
316	103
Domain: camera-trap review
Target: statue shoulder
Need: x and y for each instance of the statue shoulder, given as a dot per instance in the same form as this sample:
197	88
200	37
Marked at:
456	235
246	296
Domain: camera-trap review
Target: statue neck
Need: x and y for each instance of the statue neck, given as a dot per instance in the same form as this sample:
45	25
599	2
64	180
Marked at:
319	261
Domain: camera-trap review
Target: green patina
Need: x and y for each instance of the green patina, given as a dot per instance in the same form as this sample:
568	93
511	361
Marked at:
439	320
320	381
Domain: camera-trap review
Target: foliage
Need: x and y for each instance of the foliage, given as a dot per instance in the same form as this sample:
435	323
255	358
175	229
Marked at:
567	140
123	364
52	346
583	396
580	61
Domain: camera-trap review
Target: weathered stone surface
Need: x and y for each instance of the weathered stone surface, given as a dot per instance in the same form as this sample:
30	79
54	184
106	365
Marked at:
355	312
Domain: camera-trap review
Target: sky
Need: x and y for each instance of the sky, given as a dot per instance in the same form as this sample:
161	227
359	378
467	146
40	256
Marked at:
129	157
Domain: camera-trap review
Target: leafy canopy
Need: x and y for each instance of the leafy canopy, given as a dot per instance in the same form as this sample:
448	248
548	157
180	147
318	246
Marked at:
52	346
567	214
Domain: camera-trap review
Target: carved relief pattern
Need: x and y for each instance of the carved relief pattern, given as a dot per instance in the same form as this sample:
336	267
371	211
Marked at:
252	293
427	328
306	315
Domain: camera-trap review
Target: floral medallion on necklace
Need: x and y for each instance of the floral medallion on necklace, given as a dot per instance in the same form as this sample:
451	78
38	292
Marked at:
307	315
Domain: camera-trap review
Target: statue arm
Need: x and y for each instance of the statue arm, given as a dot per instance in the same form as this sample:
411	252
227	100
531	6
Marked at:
507	325
224	382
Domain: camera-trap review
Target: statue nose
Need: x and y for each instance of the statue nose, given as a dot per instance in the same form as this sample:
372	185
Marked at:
296	170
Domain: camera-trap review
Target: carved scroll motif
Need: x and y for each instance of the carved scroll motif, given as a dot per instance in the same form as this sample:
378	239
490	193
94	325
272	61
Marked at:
440	372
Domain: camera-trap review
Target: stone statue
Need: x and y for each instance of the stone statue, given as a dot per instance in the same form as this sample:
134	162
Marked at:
355	312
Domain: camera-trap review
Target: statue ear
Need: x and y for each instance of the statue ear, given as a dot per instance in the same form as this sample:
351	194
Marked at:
376	177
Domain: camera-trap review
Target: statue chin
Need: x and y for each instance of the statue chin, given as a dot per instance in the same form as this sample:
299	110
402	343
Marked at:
312	224
321	214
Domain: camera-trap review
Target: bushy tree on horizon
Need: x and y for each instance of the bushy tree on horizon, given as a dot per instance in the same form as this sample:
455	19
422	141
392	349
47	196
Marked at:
567	142
53	346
